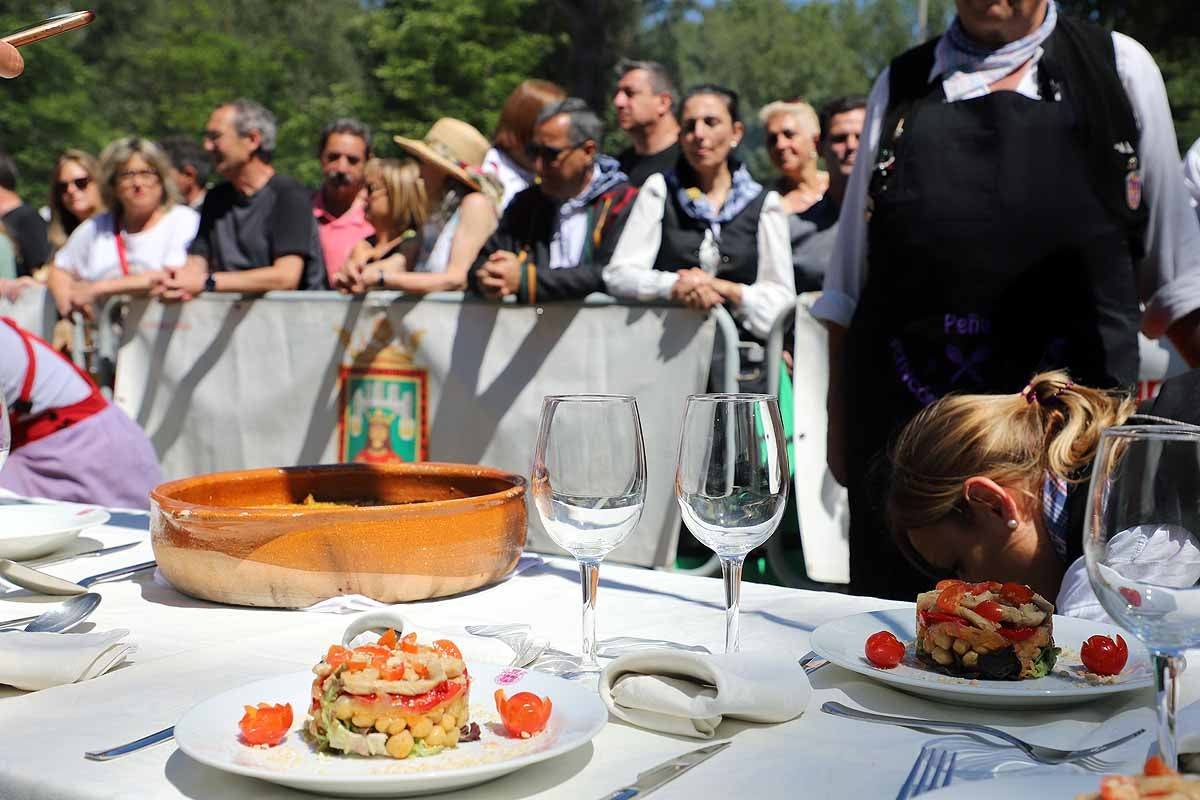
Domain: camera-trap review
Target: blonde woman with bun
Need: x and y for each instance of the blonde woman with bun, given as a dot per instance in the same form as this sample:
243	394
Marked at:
397	207
991	487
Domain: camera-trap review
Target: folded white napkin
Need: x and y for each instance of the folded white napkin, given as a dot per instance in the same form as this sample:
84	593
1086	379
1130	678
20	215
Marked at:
35	661
368	628
688	694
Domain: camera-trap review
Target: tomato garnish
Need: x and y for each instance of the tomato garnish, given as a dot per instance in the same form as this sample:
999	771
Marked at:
388	639
1103	656
930	617
1156	766
986	586
421	670
447	648
1132	596
266	724
947	583
373	650
392	673
1016	593
990	610
337	656
523	714
356	666
409	643
884	649
948	600
1016	633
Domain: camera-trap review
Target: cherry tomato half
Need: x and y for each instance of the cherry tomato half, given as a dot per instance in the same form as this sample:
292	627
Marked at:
947	601
884	649
1016	593
337	656
266	724
409	643
388	640
1016	633
990	610
523	714
447	648
1103	656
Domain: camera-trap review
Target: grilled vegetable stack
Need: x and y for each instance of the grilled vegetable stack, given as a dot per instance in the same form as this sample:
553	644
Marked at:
986	630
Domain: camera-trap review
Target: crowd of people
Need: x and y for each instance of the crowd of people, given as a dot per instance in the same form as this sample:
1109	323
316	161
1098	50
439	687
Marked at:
1018	215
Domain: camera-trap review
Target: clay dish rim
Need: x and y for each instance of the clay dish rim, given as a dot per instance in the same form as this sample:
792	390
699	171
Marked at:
161	495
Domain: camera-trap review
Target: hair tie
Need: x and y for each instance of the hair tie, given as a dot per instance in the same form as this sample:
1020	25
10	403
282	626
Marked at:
1029	394
1063	388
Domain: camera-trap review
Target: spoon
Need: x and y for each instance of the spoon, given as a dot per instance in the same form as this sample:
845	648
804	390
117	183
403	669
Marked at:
37	581
73	611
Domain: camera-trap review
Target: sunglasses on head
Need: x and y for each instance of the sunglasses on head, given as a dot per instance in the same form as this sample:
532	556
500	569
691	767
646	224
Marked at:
78	183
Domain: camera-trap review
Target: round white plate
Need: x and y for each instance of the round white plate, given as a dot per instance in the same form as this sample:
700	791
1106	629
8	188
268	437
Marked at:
209	734
843	641
1058	787
30	531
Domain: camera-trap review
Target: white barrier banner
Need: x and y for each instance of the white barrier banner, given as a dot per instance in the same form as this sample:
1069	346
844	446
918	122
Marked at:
33	310
300	378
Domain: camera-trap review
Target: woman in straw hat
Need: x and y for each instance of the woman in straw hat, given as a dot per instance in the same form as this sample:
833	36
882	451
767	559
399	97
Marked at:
461	212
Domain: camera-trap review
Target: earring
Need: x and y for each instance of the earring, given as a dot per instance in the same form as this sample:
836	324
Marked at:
812	154
736	142
1012	524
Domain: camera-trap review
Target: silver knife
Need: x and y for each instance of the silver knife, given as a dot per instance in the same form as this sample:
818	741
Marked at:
655	777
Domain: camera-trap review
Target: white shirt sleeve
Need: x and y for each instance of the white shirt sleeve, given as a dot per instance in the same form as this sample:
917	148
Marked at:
1191	172
847	273
73	256
183	222
630	273
1169	275
774	289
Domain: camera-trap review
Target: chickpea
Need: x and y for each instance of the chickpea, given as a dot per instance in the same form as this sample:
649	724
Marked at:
941	640
436	737
449	722
421	728
970	658
397	725
342	708
452	737
361	720
942	656
383	725
399	745
961	647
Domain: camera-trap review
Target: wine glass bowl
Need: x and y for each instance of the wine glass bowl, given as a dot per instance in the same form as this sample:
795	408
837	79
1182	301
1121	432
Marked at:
731	481
588	485
1142	555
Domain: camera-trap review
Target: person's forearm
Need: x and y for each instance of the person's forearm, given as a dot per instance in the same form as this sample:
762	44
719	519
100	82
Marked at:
254	281
126	284
835	439
58	281
1185	335
424	282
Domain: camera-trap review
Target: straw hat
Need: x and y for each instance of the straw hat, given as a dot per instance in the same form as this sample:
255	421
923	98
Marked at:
452	145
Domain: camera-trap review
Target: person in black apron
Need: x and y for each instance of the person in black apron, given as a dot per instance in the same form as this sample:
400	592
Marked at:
1002	242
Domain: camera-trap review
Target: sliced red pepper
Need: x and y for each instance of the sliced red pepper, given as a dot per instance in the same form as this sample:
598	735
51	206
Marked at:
388	639
948	600
1016	593
373	650
409	643
942	584
930	617
337	656
990	610
1016	633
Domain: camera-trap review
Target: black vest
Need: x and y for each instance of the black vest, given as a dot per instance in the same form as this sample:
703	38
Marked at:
1002	240
738	242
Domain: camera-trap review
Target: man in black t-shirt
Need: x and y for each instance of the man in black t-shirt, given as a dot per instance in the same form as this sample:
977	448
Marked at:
22	224
257	231
644	100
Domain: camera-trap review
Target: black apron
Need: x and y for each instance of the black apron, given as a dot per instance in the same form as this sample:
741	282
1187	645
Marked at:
992	257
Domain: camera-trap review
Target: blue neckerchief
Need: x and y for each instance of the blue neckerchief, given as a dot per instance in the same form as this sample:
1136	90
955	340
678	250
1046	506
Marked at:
967	67
606	173
1054	512
695	204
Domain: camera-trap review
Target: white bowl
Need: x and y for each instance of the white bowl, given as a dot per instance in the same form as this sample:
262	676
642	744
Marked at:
31	531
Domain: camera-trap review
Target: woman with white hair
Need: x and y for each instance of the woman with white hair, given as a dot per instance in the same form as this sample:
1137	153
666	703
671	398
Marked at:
145	230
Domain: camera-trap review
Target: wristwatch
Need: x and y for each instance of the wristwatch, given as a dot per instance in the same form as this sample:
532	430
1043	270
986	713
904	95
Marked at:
380	282
210	283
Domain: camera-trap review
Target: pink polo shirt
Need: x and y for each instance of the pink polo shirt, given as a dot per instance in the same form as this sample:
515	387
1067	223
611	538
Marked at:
339	234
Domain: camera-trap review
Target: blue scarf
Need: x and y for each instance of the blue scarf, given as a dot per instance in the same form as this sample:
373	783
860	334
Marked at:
606	173
681	181
968	67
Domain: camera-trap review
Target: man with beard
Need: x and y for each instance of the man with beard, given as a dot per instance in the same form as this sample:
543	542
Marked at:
555	236
257	231
340	204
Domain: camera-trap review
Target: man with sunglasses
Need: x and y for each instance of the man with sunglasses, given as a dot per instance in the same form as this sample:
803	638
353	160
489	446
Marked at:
555	236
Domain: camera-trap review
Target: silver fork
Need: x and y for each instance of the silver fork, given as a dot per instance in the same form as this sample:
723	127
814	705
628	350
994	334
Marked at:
1040	753
933	769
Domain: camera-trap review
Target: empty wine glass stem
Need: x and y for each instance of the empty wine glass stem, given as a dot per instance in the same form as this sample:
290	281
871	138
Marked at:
731	573
1166	686
589	579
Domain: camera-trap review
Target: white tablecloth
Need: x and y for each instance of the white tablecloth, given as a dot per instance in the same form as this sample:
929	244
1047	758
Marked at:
190	650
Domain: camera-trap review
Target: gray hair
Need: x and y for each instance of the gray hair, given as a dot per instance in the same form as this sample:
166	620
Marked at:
251	116
798	110
348	125
117	155
660	79
584	122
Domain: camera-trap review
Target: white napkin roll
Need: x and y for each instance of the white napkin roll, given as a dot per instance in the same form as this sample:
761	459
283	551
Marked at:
368	628
35	661
688	694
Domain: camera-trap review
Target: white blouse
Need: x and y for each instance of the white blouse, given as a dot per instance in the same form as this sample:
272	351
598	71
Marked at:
630	273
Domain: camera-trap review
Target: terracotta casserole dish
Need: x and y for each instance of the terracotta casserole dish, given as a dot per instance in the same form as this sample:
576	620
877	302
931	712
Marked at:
395	533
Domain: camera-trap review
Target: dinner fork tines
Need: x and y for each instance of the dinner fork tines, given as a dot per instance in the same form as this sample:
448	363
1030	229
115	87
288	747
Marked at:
1041	753
933	769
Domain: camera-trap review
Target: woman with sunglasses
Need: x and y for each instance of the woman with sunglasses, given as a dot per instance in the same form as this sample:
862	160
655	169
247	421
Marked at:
74	194
397	208
145	230
992	487
705	233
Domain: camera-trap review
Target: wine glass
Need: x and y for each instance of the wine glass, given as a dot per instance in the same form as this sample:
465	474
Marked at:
731	482
589	486
5	431
1143	557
